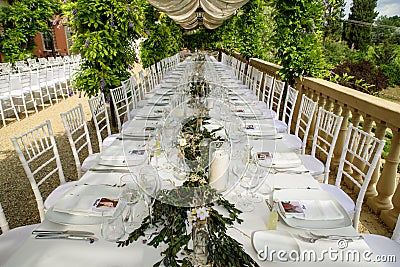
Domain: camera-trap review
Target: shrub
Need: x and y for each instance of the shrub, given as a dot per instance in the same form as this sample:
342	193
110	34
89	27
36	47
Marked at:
362	76
338	52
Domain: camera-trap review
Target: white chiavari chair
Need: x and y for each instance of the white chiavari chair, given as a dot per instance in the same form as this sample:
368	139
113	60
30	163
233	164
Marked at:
283	125
38	153
6	101
267	86
79	139
21	93
101	121
276	98
326	133
121	106
298	140
366	150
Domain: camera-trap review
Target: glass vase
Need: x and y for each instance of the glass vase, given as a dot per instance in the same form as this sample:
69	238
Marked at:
200	239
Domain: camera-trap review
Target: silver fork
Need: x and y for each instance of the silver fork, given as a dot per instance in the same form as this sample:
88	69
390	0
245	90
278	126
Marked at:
336	237
315	239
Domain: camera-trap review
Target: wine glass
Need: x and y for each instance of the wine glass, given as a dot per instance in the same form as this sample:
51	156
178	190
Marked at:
249	179
150	185
129	196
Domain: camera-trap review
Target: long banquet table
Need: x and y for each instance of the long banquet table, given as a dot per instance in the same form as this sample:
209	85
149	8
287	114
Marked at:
102	253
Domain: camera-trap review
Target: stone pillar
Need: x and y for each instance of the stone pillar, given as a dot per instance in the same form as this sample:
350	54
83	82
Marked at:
337	153
371	190
387	182
389	217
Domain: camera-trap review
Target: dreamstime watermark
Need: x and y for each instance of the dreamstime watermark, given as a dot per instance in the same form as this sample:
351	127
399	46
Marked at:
339	254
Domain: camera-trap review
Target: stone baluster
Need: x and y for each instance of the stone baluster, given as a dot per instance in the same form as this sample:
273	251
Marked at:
337	153
387	182
380	134
389	217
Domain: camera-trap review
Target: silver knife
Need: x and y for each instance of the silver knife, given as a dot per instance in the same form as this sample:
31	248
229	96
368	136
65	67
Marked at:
91	239
61	232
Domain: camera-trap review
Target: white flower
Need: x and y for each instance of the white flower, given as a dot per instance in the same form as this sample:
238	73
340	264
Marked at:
202	213
182	142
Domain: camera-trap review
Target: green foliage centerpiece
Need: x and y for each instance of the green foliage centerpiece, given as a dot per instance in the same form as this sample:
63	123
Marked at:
185	218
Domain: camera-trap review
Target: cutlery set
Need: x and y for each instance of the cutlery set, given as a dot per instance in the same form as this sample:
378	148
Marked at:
66	234
313	237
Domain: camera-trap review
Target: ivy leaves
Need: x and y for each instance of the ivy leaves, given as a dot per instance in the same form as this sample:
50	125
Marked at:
298	38
21	21
104	33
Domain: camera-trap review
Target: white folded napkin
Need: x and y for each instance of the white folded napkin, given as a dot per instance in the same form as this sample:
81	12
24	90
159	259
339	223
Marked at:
80	199
322	210
285	160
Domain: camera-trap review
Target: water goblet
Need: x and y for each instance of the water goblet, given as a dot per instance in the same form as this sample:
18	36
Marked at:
150	185
129	196
112	227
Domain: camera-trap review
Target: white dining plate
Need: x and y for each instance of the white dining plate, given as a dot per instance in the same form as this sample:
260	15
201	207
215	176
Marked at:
322	197
275	245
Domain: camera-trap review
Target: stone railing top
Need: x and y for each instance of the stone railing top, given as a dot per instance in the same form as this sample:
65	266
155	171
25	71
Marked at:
259	62
379	109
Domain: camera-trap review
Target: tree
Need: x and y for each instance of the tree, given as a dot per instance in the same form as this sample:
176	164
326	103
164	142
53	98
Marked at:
358	28
249	31
386	30
105	31
333	18
21	21
298	39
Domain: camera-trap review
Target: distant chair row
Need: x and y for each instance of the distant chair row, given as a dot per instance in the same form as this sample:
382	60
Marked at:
35	85
35	63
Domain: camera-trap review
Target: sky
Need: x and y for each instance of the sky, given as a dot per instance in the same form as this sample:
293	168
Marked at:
384	7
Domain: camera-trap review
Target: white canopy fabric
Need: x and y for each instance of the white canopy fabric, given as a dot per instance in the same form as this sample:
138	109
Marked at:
183	11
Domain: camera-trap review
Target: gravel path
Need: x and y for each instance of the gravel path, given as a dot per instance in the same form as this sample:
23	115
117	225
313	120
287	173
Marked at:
16	194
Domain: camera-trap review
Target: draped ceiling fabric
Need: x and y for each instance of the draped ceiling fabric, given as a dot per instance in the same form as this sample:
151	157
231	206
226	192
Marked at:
183	11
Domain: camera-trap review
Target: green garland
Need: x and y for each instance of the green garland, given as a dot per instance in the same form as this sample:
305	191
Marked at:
171	220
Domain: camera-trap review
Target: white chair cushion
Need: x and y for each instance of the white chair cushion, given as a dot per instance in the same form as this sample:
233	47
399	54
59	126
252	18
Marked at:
292	141
57	193
344	199
382	245
280	126
89	162
109	140
12	240
314	165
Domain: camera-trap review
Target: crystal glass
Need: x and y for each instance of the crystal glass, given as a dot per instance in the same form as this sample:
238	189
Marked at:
112	227
150	185
129	196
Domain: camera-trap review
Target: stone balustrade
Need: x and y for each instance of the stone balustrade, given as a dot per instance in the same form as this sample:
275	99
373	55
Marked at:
383	194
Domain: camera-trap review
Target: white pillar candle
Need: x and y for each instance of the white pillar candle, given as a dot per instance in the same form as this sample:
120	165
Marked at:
219	170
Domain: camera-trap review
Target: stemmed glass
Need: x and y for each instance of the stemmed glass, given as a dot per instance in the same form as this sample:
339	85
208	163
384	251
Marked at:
129	195
249	180
150	185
